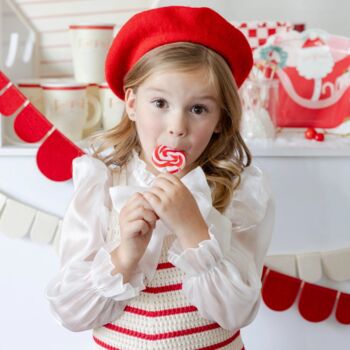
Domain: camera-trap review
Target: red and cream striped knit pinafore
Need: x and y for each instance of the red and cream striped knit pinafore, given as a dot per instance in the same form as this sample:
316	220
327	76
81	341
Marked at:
161	317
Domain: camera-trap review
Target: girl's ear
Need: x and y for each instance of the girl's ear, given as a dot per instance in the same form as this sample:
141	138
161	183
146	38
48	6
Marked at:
218	128
130	102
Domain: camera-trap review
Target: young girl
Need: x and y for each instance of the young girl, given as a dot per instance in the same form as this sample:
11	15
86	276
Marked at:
153	260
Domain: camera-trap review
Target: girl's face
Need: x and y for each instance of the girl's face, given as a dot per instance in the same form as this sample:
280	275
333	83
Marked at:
177	109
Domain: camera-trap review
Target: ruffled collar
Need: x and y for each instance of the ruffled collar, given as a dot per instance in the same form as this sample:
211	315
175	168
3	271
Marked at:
139	169
195	180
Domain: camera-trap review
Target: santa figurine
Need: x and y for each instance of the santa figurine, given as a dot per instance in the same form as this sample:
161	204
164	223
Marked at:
315	61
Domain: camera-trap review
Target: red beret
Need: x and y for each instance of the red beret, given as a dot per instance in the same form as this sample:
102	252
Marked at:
152	28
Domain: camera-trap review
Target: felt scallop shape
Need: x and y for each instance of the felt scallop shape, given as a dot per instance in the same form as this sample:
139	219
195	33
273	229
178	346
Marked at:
44	228
343	309
9	223
30	125
309	267
10	101
279	291
55	156
316	303
336	264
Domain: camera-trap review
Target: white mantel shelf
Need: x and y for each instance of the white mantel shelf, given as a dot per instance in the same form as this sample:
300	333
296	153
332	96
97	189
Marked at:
292	143
287	144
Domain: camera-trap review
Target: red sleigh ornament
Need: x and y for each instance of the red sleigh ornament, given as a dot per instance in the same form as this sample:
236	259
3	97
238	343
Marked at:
313	70
296	107
56	153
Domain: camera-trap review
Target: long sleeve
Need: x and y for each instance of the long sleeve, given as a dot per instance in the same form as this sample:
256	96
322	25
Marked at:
84	294
223	274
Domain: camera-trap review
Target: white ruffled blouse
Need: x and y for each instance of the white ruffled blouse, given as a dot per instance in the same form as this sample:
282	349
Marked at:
222	274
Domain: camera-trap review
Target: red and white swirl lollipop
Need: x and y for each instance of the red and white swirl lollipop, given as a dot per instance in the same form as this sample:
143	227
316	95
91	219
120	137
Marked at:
168	160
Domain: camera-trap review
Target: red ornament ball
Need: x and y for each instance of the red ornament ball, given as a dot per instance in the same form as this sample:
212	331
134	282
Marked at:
310	133
319	137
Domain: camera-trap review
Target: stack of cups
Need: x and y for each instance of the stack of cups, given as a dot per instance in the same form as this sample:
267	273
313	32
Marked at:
90	44
77	108
66	106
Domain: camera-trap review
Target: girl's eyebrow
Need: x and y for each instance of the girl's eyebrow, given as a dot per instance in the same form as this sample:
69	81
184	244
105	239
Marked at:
151	88
203	97
207	97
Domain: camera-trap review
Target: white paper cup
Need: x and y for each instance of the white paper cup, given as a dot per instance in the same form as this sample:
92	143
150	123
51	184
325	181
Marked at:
90	43
66	106
31	89
112	107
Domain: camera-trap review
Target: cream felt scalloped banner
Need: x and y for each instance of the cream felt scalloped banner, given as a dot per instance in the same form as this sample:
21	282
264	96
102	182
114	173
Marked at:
312	266
17	220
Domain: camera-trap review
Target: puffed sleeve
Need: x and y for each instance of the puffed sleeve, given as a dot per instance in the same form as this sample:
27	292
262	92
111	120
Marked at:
223	274
84	294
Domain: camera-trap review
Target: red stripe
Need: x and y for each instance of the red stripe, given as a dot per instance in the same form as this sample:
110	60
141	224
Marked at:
105	345
159	336
166	265
166	312
163	289
64	87
223	343
91	27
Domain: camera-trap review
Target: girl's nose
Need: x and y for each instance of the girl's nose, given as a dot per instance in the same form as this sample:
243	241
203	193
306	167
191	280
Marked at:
177	127
176	132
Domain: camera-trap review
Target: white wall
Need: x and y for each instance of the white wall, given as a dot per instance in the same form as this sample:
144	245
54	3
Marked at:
332	16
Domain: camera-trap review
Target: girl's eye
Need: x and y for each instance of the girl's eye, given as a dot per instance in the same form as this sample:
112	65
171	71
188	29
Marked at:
159	103
198	109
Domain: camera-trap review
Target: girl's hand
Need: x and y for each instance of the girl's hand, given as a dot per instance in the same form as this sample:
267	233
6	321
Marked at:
137	221
175	205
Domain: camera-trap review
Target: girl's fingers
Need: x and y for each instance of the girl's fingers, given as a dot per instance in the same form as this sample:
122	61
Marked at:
153	198
137	228
135	201
157	193
143	214
163	182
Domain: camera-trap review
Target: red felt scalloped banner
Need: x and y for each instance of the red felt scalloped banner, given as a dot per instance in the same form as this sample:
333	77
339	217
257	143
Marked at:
30	125
56	153
10	101
280	291
55	156
4	80
316	303
343	310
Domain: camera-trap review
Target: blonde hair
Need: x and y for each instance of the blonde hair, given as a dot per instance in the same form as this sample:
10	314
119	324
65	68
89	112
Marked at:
226	155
